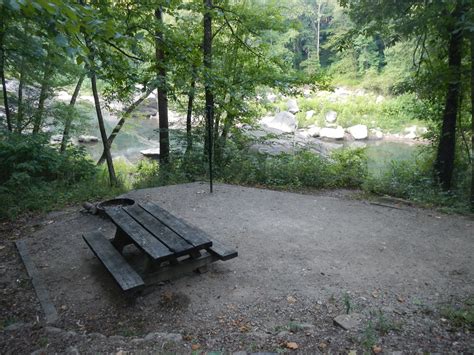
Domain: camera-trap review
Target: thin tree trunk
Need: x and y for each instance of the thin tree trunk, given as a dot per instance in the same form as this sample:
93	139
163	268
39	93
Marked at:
189	113
42	98
207	53
318	29
120	123
2	74
68	123
444	164
472	121
100	118
19	118
162	90
103	134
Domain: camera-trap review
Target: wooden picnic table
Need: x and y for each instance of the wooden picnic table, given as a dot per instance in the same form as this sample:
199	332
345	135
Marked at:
169	246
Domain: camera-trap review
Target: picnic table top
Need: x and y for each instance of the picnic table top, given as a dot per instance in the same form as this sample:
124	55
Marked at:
158	233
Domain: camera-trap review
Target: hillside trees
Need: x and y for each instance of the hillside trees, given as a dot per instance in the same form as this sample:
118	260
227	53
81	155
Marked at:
434	26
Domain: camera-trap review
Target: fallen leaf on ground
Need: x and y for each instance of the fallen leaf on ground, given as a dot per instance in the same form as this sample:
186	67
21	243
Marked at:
377	349
291	299
322	346
195	346
400	299
2	247
292	345
375	294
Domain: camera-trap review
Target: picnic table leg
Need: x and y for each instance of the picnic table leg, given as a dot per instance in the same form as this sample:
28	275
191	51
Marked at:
196	255
120	240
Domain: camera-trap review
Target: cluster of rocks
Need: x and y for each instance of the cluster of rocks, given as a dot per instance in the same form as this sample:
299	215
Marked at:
280	133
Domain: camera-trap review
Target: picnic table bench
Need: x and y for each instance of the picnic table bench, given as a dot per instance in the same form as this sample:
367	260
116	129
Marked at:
169	246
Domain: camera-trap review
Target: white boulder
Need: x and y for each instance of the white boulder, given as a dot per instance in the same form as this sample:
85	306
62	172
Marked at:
283	122
292	106
358	131
88	139
331	116
314	131
332	133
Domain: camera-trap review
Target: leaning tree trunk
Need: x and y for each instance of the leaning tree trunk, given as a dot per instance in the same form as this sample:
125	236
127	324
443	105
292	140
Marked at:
103	134
444	163
162	90
472	121
100	118
2	74
68	123
122	120
207	53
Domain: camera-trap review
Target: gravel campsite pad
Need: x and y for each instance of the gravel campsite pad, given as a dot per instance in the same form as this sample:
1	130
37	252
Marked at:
315	273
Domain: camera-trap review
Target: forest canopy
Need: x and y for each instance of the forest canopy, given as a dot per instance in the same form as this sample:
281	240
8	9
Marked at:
216	62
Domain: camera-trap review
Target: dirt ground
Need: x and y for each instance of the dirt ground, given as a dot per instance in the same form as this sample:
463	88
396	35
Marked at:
399	273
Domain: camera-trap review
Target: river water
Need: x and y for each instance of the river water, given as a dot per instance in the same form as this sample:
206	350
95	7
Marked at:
143	133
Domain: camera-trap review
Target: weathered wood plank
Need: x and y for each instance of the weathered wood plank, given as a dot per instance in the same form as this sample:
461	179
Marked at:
123	273
50	313
222	251
172	240
142	238
191	234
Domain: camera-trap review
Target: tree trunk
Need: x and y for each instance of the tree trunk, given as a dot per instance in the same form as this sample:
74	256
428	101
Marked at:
318	28
207	53
120	123
19	114
189	113
42	97
162	90
2	74
472	120
103	133
444	164
67	125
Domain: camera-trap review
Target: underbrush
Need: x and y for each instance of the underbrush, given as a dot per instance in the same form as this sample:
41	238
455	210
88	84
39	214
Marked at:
345	168
413	180
35	177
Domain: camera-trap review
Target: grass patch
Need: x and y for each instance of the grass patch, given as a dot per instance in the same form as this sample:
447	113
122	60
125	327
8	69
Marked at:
461	315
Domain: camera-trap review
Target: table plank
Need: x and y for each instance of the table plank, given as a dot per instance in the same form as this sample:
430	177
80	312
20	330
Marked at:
172	240
122	272
140	236
191	234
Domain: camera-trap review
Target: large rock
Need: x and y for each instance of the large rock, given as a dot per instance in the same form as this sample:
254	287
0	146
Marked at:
309	114
273	147
332	133
283	122
151	153
376	133
358	131
88	139
314	131
331	116
292	106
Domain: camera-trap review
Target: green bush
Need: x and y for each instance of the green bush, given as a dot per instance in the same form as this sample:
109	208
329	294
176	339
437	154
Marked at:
35	176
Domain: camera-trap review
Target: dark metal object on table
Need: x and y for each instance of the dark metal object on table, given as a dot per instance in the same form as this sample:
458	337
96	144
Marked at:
113	203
